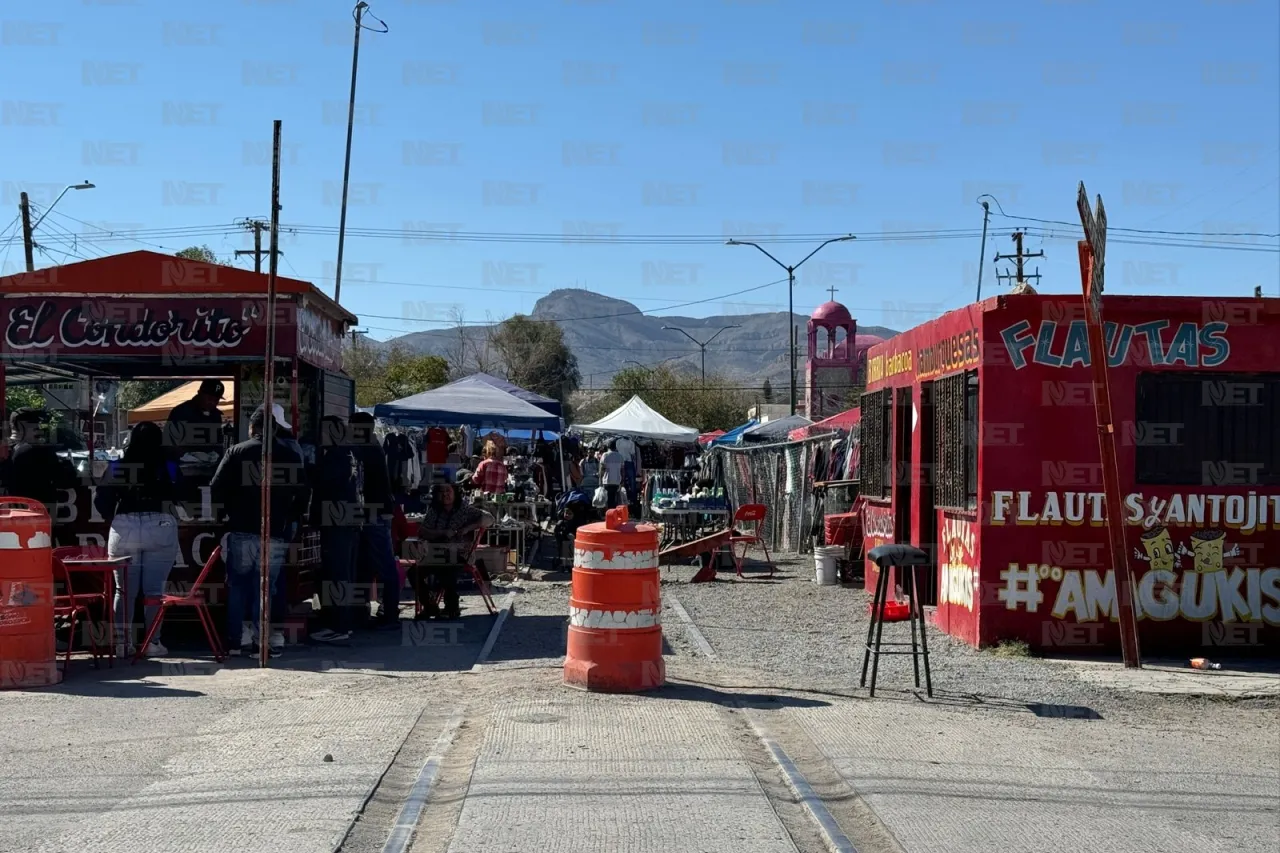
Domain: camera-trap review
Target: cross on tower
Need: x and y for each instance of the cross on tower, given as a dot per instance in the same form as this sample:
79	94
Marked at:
832	288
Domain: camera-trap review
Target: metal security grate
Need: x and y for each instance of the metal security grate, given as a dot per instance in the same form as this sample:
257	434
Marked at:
951	433
874	445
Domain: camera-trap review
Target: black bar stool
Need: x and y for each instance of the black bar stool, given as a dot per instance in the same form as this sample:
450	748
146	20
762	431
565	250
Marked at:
903	557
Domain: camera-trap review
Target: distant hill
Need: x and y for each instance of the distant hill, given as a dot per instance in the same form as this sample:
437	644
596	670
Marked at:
605	333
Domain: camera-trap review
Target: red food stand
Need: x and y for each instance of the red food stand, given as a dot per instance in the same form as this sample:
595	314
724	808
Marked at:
144	315
979	445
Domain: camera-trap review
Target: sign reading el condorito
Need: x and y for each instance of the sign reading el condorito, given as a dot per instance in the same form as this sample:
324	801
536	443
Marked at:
110	326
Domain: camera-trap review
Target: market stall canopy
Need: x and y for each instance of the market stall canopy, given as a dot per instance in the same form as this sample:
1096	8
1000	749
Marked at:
733	436
547	404
158	409
635	418
467	402
707	437
842	421
775	430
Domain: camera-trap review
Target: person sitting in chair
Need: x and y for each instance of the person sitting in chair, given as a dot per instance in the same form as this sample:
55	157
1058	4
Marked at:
446	521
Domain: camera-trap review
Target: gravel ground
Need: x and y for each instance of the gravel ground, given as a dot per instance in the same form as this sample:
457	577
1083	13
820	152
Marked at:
811	636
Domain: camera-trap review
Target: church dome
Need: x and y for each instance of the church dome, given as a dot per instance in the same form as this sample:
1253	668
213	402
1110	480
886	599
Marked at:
831	313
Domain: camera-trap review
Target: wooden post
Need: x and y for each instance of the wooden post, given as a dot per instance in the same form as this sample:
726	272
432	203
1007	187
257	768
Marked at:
1092	256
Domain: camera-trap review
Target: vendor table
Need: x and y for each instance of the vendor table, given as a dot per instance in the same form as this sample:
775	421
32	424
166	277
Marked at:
105	568
523	517
681	525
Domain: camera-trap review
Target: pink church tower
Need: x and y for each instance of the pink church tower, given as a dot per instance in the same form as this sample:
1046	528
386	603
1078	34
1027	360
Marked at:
836	354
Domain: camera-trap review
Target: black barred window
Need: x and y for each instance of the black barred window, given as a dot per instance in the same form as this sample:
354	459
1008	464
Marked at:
874	460
956	409
1206	429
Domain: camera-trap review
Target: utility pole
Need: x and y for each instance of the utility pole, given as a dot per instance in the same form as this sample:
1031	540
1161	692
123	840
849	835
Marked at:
28	246
791	296
1019	257
701	345
257	226
982	253
268	403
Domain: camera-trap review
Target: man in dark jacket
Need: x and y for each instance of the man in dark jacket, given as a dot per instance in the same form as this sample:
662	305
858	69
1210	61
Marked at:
376	550
34	468
195	426
336	512
236	491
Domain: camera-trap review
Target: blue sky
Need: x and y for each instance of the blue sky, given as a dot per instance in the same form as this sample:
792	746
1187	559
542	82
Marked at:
662	118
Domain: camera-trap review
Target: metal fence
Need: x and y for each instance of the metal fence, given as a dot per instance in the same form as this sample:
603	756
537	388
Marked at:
780	476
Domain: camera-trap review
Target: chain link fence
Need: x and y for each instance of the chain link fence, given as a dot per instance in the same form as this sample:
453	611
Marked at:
782	476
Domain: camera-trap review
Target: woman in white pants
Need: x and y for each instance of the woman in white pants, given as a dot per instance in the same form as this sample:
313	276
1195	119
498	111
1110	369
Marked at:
138	496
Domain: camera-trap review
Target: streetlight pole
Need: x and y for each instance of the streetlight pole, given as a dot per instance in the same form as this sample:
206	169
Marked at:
701	345
791	292
358	14
29	230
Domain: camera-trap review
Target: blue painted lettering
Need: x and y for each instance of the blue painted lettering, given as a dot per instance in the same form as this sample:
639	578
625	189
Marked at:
1118	344
1184	349
1213	337
1044	345
1017	340
1191	345
1155	347
1077	349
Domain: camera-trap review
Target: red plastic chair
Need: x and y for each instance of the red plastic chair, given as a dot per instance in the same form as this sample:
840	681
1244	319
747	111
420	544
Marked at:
195	598
469	564
754	514
74	607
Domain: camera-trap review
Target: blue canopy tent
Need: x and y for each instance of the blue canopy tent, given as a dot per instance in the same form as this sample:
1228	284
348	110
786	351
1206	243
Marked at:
733	436
547	404
471	402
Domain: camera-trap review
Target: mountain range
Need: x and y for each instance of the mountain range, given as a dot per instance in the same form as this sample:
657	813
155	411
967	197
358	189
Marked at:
607	333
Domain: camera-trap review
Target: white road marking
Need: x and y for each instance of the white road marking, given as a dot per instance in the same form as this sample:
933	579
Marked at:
411	812
503	612
698	640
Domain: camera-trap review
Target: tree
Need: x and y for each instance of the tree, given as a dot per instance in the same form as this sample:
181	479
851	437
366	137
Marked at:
384	374
767	391
536	357
134	393
681	397
22	397
198	253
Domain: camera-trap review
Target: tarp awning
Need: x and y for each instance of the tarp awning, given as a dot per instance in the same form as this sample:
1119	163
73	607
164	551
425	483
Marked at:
547	404
843	421
467	402
158	409
775	430
708	437
635	418
734	435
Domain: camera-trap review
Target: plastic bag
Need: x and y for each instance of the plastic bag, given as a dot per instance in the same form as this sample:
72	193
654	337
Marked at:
601	498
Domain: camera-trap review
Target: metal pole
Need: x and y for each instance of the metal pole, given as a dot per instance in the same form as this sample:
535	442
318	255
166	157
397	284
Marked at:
24	206
982	254
703	347
791	329
268	400
346	167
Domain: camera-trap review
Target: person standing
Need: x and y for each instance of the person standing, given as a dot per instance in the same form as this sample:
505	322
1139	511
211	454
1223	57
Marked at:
611	468
236	491
589	469
195	425
138	497
336	513
379	505
630	462
490	475
35	470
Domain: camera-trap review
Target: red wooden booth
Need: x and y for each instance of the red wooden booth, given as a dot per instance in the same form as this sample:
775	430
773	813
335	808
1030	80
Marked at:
980	445
144	315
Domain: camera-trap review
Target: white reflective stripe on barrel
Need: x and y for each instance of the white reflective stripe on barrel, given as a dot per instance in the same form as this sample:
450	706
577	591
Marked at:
584	559
614	619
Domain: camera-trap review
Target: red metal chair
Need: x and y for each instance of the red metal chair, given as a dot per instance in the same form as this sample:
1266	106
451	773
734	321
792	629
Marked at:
194	597
469	565
753	514
74	606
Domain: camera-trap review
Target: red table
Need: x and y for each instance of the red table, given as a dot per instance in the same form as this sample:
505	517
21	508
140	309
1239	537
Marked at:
105	568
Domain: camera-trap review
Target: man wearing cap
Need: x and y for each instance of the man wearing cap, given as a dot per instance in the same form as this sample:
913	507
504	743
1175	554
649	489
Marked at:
195	426
236	490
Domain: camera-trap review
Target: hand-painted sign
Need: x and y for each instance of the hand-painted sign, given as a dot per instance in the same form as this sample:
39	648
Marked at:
959	566
1244	513
957	352
319	341
883	366
1067	344
103	327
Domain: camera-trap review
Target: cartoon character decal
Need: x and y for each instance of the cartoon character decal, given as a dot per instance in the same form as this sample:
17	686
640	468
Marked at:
1208	551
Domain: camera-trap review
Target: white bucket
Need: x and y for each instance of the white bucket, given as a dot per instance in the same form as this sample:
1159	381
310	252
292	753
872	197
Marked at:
824	560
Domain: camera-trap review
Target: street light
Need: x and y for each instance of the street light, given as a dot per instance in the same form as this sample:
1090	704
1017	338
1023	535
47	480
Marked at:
791	291
701	345
24	208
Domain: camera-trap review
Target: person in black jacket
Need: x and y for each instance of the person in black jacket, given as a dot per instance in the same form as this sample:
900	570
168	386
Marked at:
35	470
195	425
237	497
336	512
376	549
138	496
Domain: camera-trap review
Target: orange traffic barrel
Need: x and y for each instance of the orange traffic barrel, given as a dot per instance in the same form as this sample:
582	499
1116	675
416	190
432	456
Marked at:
615	608
27	650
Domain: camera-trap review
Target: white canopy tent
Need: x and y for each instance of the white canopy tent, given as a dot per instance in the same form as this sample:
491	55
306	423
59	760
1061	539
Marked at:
635	419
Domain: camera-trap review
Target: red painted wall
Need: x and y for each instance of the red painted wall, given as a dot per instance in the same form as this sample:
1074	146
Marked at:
1208	575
